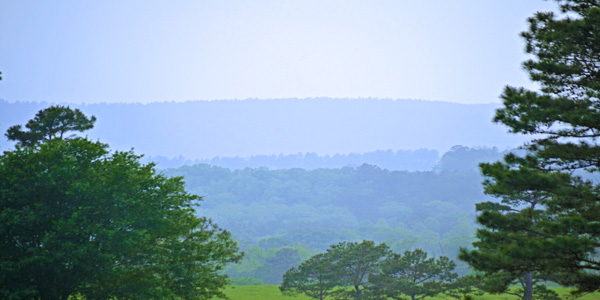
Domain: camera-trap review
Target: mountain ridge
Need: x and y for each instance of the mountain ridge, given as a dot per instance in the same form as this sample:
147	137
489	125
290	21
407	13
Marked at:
326	126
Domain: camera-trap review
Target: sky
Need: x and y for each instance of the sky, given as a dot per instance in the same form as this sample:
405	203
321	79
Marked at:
73	51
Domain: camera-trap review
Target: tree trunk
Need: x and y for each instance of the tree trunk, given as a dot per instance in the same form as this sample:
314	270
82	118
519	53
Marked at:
357	288
528	287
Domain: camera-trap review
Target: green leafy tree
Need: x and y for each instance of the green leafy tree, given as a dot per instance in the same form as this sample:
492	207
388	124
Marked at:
564	115
76	219
50	123
315	278
414	275
355	262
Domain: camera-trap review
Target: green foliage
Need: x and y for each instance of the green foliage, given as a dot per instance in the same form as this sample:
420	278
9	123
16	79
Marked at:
556	231
283	259
316	278
415	275
355	262
326	206
368	271
328	274
77	219
269	265
510	246
465	287
50	123
272	209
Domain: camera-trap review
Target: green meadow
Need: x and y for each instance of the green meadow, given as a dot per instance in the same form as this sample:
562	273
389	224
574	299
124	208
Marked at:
271	292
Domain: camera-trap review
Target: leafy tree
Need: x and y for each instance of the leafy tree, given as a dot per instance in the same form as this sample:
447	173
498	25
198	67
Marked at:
565	117
76	219
50	123
355	262
414	275
316	278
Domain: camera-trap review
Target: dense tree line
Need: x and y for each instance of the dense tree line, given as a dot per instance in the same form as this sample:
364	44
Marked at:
458	158
332	198
405	160
309	210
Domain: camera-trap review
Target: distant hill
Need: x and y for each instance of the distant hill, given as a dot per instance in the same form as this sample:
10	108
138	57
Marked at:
405	160
323	126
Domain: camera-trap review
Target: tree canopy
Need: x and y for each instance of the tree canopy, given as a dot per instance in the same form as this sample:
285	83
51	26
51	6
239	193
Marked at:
77	219
561	236
510	246
369	271
354	262
50	123
316	277
414	275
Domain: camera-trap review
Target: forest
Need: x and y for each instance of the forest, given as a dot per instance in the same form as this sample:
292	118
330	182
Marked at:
273	211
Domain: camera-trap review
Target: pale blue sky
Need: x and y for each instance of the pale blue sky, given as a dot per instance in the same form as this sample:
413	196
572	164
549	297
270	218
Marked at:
148	51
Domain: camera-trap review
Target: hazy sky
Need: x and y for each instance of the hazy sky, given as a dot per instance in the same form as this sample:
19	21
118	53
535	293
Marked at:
147	51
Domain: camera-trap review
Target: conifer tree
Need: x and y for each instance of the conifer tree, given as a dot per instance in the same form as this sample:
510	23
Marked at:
510	246
50	123
564	117
413	275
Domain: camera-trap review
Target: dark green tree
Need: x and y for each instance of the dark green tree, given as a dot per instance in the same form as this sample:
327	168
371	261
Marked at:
511	245
315	278
50	123
414	275
355	262
564	116
465	287
496	283
76	219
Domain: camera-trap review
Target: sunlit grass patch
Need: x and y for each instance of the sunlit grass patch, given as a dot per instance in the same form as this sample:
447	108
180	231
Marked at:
271	292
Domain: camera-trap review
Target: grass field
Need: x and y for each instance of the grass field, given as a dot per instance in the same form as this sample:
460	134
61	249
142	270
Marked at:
271	292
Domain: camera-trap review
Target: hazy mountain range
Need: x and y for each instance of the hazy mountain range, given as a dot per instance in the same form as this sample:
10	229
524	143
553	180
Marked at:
323	126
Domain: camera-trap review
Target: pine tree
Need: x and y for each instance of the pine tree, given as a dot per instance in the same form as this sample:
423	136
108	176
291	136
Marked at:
510	247
564	117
